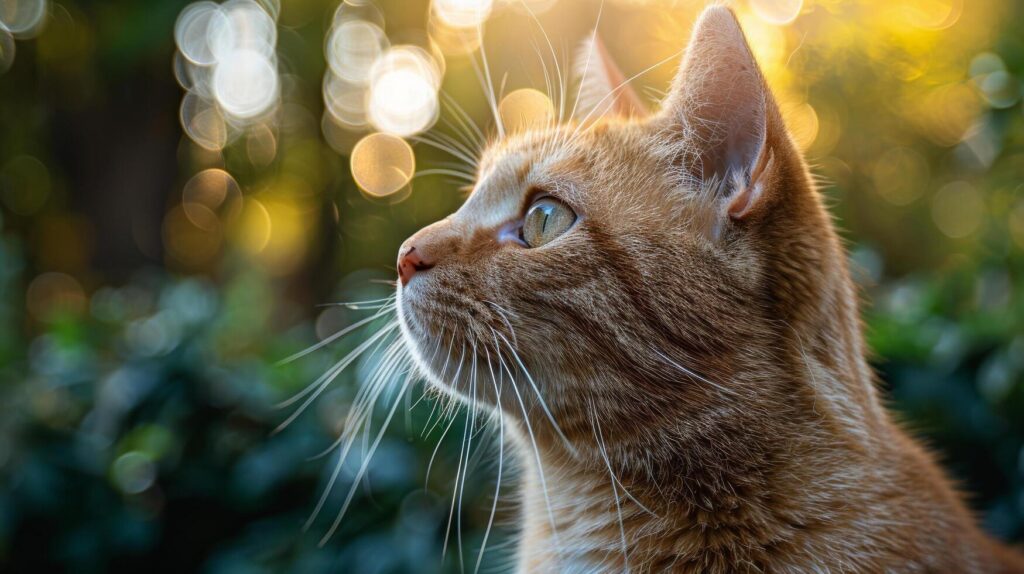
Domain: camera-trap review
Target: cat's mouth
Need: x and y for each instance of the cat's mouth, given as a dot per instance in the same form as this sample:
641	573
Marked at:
450	341
436	342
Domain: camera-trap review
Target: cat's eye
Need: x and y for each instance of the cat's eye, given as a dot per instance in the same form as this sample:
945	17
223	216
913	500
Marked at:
546	219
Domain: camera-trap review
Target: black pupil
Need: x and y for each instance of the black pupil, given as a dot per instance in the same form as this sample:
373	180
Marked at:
546	209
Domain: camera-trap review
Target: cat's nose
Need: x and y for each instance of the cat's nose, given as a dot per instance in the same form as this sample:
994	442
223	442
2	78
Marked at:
426	248
411	261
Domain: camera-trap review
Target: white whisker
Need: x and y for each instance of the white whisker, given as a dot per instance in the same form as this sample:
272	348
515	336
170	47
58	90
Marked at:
540	397
695	375
366	463
533	442
327	341
321	384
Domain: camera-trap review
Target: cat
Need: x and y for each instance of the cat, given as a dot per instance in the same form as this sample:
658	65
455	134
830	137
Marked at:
659	310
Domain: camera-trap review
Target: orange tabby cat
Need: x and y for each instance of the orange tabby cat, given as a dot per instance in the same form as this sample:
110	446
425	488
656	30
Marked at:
661	311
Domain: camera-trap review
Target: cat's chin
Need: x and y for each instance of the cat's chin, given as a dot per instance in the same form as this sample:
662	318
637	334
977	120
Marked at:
447	371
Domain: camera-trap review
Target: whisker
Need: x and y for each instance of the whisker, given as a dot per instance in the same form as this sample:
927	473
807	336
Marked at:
599	437
533	443
582	123
695	375
465	120
336	336
554	57
445	147
503	313
449	172
366	463
586	68
324	381
364	413
368	304
366	398
469	448
485	80
501	460
540	397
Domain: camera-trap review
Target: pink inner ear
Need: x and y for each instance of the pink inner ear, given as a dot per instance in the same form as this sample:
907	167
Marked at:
746	199
603	88
625	102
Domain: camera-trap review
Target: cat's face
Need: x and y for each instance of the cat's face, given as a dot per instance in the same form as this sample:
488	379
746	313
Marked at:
611	272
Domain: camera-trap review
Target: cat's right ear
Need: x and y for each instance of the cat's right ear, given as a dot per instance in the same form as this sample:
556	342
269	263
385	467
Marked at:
723	115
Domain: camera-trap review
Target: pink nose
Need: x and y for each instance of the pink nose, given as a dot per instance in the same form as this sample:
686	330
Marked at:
411	262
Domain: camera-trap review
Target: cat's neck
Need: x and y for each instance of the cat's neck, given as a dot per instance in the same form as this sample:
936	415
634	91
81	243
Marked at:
795	487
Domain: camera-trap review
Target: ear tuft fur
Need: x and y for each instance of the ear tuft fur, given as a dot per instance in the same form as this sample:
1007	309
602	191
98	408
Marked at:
603	90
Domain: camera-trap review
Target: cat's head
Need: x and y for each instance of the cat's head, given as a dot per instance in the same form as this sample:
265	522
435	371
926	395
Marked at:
643	270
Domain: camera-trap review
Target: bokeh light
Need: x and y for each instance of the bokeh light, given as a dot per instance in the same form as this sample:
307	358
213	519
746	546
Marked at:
245	83
931	14
525	109
203	122
7	50
451	40
996	84
227	63
193	32
900	175
254	227
382	164
802	120
211	191
957	209
53	294
345	102
403	97
353	47
245	26
777	12
133	472
462	13
22	18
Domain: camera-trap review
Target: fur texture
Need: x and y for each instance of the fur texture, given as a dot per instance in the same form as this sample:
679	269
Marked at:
684	368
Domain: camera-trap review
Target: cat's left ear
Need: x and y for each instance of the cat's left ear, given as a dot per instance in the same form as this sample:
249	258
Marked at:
722	111
602	89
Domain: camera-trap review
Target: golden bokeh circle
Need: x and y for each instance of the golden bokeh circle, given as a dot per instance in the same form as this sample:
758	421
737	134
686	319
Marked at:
211	191
382	164
526	109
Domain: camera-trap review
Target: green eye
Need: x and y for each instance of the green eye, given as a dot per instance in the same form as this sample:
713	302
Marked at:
546	219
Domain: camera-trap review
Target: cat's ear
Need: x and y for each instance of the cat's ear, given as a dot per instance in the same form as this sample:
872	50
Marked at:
602	88
725	112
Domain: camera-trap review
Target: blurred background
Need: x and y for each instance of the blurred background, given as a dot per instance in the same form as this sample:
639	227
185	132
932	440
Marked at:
186	188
